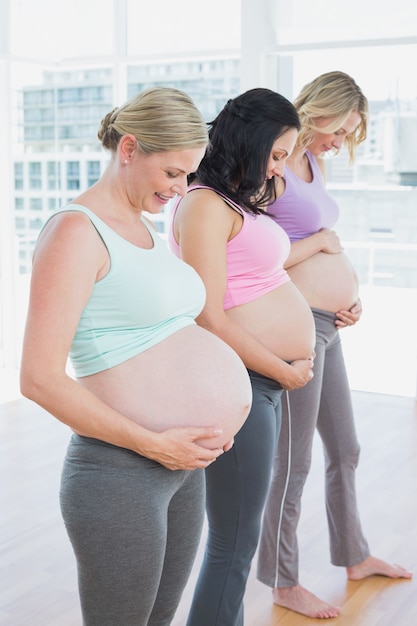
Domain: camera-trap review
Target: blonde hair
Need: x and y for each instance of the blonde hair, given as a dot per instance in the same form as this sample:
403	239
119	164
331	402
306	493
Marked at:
333	97
162	119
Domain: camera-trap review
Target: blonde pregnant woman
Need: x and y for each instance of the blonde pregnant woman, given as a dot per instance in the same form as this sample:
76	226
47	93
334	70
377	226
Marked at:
221	229
332	110
151	386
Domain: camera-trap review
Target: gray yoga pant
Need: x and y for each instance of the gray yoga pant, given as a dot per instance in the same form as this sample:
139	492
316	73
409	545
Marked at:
135	528
324	403
237	486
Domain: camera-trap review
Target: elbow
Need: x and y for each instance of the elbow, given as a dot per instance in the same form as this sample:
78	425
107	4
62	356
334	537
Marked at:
211	324
217	325
26	385
30	384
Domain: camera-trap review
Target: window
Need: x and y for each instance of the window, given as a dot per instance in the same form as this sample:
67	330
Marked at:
18	175
93	172
54	174
73	175
35	204
35	176
58	110
35	224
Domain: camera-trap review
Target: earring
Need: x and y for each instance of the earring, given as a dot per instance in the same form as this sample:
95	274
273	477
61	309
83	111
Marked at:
125	162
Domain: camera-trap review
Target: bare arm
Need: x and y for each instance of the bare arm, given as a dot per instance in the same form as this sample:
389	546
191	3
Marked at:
324	240
70	257
204	224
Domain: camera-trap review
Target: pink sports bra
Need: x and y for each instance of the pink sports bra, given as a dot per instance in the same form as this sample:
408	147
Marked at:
255	256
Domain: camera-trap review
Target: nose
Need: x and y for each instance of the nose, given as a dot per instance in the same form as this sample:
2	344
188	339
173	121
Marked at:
278	169
338	142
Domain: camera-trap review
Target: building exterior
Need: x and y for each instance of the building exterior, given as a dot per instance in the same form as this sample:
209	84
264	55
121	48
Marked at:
59	156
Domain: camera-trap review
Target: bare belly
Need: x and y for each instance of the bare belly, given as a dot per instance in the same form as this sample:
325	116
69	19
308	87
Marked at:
281	320
327	281
192	378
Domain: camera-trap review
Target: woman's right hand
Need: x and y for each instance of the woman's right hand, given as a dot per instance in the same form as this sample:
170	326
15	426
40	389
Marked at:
330	242
298	374
176	448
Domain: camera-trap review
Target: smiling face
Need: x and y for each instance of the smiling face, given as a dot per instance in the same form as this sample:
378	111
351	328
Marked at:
324	142
281	150
157	178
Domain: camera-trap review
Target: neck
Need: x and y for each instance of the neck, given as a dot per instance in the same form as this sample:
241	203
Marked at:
297	157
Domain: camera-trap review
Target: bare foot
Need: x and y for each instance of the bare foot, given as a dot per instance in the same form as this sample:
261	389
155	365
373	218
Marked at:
303	601
373	566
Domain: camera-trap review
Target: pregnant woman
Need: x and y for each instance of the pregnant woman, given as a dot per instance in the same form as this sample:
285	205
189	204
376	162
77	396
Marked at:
150	384
332	110
221	229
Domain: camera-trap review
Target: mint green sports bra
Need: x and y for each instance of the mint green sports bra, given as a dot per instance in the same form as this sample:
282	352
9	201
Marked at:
147	295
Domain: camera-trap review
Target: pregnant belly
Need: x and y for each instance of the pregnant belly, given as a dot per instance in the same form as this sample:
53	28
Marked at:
327	281
192	378
281	320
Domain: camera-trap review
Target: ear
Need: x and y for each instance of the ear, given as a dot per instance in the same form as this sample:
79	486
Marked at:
127	148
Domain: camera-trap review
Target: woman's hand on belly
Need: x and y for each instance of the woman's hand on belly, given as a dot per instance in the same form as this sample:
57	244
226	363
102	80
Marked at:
349	318
177	448
297	373
329	241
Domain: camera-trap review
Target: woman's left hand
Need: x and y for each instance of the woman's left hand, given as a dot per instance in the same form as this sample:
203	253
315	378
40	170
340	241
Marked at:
349	318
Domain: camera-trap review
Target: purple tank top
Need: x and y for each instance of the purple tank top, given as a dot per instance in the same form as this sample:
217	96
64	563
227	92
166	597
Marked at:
304	208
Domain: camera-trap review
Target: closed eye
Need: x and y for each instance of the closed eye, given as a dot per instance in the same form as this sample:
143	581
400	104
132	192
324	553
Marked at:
279	157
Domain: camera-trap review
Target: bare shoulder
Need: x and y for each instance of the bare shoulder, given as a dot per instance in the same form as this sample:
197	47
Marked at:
68	224
203	214
69	232
201	199
207	205
66	219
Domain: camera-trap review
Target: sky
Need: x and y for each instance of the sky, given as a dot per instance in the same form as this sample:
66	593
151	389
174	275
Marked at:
51	30
85	27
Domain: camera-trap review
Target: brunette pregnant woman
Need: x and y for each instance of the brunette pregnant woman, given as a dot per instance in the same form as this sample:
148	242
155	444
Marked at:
332	110
150	384
221	229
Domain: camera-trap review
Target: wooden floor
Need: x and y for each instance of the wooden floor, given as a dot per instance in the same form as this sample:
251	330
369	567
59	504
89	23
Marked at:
38	585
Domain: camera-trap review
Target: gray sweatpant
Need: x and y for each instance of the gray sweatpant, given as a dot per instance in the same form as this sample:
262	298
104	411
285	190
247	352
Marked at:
325	403
135	527
237	486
